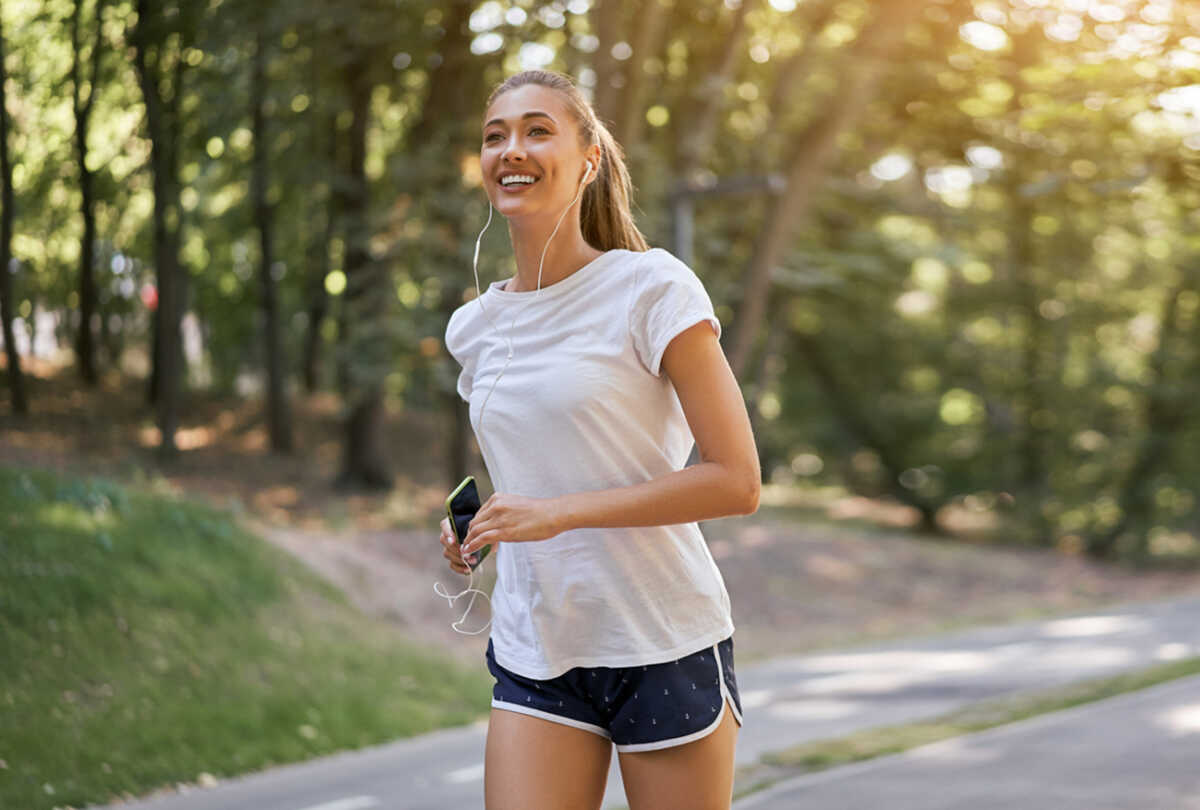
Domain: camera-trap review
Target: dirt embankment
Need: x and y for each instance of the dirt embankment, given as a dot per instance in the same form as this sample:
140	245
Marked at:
794	587
798	580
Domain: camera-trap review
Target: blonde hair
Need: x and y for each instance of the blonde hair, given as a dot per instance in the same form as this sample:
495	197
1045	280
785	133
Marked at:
604	215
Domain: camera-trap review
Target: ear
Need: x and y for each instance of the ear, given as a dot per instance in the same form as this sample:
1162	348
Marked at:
593	154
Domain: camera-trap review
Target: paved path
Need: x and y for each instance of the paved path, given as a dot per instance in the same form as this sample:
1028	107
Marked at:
1137	751
785	701
803	698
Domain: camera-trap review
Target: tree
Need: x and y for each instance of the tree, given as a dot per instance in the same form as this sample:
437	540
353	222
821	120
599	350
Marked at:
16	382
82	105
160	40
809	153
278	411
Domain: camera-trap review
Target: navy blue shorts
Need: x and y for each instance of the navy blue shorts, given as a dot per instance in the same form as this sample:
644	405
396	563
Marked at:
639	708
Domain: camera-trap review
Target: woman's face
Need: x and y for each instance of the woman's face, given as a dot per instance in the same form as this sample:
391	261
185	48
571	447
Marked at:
529	131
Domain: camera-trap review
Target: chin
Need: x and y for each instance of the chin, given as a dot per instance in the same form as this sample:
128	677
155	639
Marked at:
515	209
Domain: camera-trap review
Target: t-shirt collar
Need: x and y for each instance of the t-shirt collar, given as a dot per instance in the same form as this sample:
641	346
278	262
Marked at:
558	288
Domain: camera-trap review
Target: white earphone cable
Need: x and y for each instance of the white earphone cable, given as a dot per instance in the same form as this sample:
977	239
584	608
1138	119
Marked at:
508	359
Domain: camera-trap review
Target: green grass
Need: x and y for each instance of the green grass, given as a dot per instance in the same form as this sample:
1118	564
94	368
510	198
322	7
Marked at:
146	640
870	743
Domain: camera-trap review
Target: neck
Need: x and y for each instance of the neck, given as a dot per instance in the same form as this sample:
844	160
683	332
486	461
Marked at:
567	252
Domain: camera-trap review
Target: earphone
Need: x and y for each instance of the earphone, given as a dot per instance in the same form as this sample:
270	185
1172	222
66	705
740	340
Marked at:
590	167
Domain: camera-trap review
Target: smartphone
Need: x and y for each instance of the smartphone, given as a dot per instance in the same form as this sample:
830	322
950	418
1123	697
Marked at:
461	506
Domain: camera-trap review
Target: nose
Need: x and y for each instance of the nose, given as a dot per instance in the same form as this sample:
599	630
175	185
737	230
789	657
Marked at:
514	151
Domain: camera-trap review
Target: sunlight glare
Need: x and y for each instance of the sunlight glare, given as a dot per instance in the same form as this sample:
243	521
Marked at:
1183	100
982	35
811	710
534	55
1066	28
1106	12
1181	720
985	157
1088	626
945	179
487	43
486	17
891	167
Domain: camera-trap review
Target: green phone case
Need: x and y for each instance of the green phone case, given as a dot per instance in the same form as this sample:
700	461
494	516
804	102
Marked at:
458	524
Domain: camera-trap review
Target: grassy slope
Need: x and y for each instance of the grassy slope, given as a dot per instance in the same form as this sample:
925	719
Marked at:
145	640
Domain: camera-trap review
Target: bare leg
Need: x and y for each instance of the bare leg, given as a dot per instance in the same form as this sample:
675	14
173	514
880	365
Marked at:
536	764
693	776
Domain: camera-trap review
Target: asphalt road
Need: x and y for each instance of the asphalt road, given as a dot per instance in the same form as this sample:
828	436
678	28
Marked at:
1137	751
785	702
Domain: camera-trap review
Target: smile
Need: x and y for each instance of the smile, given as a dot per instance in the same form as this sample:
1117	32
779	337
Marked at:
516	183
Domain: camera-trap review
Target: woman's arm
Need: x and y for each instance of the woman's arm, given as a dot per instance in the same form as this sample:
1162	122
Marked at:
727	478
725	482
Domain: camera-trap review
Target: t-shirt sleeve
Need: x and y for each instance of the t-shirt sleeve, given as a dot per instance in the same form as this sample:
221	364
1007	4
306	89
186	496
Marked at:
668	298
456	344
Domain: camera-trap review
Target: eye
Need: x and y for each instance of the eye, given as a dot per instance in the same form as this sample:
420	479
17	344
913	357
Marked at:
488	138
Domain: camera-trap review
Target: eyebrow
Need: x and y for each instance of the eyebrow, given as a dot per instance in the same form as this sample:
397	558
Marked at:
530	114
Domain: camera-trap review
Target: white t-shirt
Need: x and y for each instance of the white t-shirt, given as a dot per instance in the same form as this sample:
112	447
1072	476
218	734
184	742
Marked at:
583	406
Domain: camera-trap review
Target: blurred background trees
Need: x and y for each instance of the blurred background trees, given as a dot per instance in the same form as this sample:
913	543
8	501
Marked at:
953	244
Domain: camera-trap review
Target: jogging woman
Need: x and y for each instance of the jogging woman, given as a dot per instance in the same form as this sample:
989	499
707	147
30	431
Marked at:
589	375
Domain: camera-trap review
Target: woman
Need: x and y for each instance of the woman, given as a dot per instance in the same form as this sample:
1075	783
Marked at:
589	375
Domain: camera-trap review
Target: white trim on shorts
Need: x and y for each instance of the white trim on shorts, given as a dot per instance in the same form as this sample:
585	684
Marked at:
704	732
556	718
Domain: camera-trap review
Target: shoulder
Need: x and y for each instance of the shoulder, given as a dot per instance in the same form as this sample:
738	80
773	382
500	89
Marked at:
454	325
658	271
460	327
657	257
662	263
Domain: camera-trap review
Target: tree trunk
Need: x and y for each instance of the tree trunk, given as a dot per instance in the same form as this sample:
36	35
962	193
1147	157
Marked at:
278	416
364	460
112	343
318	263
1032	472
813	150
85	344
607	19
647	42
453	87
770	361
1164	411
163	135
16	380
793	70
1022	270
858	424
698	134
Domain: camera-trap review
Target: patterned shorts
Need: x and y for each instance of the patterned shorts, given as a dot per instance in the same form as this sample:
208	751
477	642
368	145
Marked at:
639	708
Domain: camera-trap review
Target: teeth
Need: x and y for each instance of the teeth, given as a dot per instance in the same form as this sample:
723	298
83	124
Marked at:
517	178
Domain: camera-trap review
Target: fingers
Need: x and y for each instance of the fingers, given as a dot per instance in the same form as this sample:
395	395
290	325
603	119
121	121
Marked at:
451	550
472	531
477	540
478	525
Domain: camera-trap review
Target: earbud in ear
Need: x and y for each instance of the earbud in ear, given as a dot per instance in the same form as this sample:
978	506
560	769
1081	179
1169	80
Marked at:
591	167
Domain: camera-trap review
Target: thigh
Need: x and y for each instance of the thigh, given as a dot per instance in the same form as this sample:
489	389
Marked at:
536	764
694	776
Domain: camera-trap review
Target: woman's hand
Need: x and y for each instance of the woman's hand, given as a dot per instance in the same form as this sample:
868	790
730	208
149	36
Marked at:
505	518
452	552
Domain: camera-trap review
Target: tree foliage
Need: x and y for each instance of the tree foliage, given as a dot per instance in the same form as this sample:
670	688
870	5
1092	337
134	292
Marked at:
969	276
